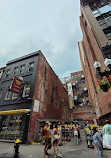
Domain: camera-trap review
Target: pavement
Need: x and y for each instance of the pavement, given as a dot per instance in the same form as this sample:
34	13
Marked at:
68	150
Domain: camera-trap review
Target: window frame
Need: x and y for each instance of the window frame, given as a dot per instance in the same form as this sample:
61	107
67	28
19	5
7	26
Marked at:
14	73
8	91
24	90
30	68
7	73
21	72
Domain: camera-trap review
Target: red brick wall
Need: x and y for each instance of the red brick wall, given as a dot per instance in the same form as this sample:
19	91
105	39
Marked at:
52	96
99	99
84	113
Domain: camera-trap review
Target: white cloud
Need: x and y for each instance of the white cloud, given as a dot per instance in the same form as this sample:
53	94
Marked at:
51	26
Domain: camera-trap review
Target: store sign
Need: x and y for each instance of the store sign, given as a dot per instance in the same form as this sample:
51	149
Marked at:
36	106
16	85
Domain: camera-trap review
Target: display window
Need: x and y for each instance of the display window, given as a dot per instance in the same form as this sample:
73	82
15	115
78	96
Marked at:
12	127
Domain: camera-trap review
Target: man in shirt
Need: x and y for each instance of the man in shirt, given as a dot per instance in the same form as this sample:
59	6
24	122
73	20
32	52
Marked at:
47	138
107	128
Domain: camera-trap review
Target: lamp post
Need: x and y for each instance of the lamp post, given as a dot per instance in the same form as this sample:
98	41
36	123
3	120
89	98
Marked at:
104	84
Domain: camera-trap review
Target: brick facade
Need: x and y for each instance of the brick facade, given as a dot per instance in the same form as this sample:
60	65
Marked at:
52	96
90	51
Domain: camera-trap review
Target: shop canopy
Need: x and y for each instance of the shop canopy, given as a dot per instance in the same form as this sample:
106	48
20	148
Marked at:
15	112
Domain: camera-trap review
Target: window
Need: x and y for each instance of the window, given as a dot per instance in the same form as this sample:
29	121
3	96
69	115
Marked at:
7	73
85	23
16	71
96	13
105	9
72	76
79	75
75	76
79	81
8	95
0	94
22	69
26	91
108	36
31	66
14	96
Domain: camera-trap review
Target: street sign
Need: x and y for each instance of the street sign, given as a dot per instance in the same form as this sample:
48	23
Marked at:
16	85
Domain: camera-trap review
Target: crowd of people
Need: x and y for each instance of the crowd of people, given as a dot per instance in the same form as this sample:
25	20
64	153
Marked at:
61	133
58	136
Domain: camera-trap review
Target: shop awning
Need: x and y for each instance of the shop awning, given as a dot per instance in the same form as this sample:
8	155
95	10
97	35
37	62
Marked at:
15	112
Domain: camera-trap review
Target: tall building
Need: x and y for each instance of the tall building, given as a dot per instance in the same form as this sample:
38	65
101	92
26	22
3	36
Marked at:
30	94
95	21
78	96
83	108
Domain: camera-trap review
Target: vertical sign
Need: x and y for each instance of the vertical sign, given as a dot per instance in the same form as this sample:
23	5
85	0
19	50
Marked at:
36	106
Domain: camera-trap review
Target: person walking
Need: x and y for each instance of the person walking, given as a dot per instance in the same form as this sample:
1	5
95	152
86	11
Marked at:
56	138
107	128
63	133
47	137
98	142
77	133
107	135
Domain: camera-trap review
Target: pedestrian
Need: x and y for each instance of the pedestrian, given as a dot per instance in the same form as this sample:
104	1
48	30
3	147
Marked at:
98	142
56	138
107	135
107	128
47	137
77	132
88	126
63	133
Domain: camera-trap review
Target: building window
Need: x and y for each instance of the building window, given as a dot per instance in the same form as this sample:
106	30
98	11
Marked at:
7	73
14	96
79	81
105	9
8	95
72	76
22	69
75	76
26	90
16	71
0	94
31	66
108	36
85	23
79	75
96	13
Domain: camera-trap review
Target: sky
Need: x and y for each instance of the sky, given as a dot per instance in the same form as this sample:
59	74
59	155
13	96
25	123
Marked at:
51	26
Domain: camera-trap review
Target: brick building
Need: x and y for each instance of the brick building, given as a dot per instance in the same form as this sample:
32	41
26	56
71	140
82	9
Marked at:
42	97
95	21
78	96
83	108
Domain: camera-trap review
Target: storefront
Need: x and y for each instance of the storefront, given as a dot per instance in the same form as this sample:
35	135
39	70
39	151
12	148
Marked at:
14	124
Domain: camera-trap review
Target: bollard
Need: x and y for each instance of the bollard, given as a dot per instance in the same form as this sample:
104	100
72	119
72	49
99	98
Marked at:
16	148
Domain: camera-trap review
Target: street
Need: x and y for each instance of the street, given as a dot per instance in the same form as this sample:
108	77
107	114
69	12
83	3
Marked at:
68	150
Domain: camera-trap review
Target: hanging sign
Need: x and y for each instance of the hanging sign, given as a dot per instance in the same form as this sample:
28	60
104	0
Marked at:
16	85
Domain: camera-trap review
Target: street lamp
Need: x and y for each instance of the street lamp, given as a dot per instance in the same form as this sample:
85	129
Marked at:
97	66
